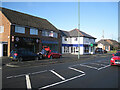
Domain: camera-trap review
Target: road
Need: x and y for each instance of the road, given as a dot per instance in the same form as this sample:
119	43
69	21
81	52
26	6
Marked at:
85	73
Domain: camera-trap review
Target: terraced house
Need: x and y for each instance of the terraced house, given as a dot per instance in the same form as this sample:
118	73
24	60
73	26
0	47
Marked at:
71	42
20	30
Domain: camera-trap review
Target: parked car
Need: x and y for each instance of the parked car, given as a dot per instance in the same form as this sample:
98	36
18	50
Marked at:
118	51
23	54
115	60
47	53
100	51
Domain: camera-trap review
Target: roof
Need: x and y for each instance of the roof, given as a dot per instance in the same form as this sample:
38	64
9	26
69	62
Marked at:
64	33
109	42
103	41
23	19
75	32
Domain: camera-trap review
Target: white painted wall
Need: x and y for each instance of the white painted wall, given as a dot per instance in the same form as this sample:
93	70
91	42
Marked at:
1	49
82	40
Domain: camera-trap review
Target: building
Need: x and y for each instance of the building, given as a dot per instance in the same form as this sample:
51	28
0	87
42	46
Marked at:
20	30
108	44
71	42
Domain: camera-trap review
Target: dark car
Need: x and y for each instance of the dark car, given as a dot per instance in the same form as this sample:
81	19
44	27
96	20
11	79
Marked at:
100	51
23	54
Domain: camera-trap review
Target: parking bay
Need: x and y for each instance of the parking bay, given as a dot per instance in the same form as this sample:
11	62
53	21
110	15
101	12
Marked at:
54	77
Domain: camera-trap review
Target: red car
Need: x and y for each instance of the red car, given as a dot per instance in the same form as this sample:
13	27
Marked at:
115	60
47	53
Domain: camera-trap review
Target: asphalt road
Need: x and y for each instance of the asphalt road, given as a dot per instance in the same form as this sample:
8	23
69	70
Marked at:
67	72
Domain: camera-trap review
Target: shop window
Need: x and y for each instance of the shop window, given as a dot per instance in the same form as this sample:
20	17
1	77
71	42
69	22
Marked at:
64	48
86	49
33	31
19	29
1	29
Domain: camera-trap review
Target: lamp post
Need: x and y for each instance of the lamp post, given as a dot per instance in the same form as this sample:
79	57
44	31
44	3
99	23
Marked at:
78	29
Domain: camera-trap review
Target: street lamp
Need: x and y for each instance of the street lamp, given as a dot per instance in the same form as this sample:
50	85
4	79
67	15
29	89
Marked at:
78	29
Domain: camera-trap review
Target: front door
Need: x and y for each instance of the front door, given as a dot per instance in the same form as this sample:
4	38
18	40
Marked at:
5	49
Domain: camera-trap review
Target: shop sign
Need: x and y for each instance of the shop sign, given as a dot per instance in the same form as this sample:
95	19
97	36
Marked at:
17	39
12	38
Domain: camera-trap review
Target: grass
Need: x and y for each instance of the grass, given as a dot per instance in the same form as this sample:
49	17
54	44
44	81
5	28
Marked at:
113	51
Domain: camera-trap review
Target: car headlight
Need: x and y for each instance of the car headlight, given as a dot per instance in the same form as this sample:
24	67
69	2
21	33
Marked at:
112	59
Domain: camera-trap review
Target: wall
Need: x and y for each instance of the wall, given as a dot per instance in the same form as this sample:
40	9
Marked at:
5	36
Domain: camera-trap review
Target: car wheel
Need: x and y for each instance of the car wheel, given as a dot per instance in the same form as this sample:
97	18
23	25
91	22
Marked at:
37	58
20	59
41	57
60	56
51	57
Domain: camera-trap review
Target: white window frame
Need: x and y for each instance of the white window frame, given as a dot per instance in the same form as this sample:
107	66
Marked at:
33	31
1	29
19	29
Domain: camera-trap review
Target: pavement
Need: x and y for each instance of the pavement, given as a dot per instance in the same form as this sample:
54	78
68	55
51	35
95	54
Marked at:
5	61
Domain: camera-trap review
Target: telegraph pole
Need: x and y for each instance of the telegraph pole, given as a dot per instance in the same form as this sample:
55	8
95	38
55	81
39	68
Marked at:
78	29
103	41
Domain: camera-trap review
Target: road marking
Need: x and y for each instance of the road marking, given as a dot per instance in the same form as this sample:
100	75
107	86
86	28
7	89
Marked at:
61	82
88	66
57	74
28	82
98	64
76	70
26	74
0	68
103	67
39	72
11	65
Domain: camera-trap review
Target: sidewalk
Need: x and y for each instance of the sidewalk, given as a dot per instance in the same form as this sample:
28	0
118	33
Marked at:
65	58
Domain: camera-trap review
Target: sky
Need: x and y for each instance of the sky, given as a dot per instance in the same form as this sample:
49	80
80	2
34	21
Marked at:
95	17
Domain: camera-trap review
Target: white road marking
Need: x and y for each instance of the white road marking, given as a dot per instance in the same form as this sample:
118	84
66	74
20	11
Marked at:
61	82
26	74
0	68
98	64
28	83
11	65
88	66
39	72
76	70
103	67
57	74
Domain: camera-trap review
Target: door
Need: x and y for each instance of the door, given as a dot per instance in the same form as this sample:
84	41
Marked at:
5	49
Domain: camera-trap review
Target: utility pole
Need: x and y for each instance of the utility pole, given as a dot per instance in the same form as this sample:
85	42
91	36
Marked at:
78	29
103	41
103	34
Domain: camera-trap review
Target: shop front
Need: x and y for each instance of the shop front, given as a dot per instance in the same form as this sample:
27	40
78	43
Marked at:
28	43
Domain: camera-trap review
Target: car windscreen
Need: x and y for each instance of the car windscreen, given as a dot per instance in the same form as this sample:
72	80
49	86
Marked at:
117	54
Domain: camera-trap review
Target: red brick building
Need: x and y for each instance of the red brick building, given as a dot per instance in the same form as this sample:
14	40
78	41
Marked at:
20	30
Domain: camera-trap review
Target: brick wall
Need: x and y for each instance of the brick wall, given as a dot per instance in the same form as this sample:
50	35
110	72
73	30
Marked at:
5	36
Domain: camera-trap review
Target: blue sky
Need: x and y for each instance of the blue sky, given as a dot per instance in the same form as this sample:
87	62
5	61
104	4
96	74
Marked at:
94	16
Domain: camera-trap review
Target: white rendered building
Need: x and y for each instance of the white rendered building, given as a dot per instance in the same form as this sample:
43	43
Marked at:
71	42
